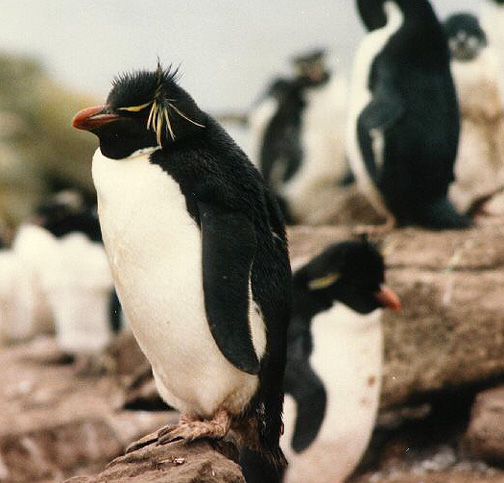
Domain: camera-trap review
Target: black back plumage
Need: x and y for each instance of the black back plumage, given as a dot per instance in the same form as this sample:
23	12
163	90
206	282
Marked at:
414	101
242	226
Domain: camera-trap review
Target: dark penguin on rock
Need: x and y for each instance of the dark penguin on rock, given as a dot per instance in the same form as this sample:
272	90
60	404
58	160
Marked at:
334	363
199	257
404	122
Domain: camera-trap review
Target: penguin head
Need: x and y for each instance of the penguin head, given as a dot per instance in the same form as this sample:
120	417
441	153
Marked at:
66	212
311	67
144	109
466	38
351	272
372	13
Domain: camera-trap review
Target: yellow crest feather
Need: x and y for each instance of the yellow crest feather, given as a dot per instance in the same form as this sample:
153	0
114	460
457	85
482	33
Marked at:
323	282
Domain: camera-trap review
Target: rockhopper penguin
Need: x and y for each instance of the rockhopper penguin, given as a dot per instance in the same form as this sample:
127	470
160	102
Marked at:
297	133
199	257
334	363
403	121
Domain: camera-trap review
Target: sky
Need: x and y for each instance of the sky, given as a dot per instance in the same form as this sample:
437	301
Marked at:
228	50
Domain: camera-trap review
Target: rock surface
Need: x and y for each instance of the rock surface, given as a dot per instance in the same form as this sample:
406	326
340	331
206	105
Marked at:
54	424
450	331
485	435
178	462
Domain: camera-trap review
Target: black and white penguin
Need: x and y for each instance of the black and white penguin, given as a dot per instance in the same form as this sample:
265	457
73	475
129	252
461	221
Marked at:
479	169
76	277
334	363
199	256
297	137
403	121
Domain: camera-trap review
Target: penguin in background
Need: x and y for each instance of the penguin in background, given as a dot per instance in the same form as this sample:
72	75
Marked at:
77	280
334	364
492	20
59	281
199	256
403	124
24	309
297	135
479	167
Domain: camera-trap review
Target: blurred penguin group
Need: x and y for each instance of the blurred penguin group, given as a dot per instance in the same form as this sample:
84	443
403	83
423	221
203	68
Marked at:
56	279
416	134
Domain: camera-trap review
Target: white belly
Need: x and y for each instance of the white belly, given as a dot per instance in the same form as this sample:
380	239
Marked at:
347	356
360	96
154	248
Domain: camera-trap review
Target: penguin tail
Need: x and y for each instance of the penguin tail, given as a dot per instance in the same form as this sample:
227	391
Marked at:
442	215
258	469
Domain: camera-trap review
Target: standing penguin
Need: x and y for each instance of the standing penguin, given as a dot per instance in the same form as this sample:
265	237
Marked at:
334	364
479	169
403	122
297	135
199	257
492	20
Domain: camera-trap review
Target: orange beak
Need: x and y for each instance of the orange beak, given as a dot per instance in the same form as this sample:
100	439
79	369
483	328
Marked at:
388	298
92	118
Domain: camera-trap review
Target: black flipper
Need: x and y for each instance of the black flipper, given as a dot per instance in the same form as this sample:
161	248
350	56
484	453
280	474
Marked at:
229	244
380	114
303	384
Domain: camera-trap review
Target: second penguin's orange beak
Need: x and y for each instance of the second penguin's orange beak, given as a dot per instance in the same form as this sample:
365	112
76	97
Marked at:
388	298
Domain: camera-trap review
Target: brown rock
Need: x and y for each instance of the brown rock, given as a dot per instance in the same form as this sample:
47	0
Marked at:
179	462
485	435
450	331
54	424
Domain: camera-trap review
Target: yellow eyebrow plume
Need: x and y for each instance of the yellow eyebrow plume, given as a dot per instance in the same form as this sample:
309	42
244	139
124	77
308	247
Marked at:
323	282
135	108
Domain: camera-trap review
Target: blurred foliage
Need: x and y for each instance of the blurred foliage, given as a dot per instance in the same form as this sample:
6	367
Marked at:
39	151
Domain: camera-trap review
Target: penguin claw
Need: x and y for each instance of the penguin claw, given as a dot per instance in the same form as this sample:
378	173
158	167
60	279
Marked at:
139	444
189	429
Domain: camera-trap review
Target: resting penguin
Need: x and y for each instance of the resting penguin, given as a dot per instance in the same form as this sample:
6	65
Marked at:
297	135
403	122
480	159
334	358
199	257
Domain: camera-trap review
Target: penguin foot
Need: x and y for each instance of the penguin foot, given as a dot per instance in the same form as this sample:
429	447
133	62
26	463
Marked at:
191	429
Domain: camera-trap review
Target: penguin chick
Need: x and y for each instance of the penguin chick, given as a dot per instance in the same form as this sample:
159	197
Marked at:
480	158
404	123
334	364
198	253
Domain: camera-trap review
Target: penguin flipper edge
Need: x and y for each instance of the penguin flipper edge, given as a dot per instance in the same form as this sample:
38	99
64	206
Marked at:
381	113
229	243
